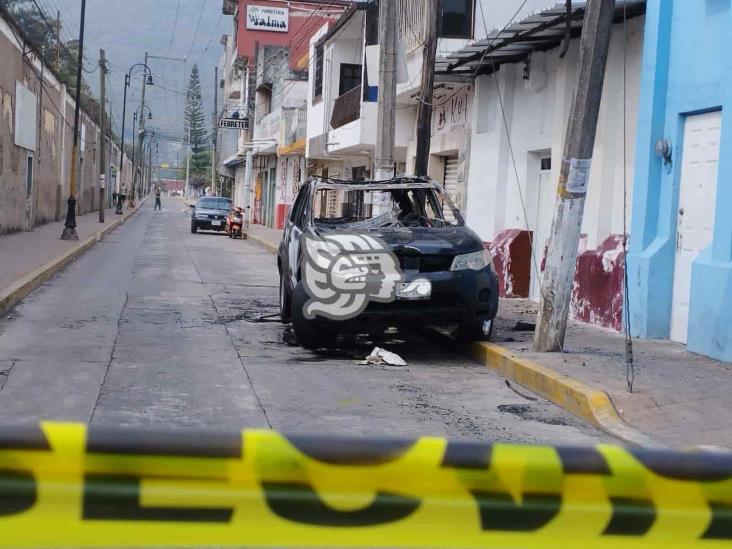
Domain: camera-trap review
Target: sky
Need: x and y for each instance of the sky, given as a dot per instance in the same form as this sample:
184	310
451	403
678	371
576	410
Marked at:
126	29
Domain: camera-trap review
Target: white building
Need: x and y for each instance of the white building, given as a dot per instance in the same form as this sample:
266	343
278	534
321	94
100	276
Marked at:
518	117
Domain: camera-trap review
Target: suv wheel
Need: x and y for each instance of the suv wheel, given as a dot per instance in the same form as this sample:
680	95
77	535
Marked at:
285	301
311	334
476	331
194	227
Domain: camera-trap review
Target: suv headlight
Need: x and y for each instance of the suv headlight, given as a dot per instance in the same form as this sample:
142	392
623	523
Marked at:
474	261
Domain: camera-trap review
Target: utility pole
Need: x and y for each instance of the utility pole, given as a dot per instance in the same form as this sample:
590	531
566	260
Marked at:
58	39
102	122
386	113
214	179
142	137
424	110
69	232
561	257
188	161
118	209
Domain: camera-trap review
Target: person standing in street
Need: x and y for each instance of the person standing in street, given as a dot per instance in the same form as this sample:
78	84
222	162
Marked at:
158	205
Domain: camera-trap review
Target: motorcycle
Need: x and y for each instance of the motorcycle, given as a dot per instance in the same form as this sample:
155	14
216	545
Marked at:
235	223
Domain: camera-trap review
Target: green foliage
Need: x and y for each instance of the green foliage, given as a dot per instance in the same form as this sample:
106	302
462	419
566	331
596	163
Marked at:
194	120
42	31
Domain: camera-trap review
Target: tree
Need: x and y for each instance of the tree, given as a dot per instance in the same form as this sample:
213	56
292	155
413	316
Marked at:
194	122
42	30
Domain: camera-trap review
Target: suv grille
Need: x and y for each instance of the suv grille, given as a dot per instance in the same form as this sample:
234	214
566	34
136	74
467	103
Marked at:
428	263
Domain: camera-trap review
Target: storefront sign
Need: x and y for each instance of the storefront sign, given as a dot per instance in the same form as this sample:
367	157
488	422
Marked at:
267	18
234	123
450	113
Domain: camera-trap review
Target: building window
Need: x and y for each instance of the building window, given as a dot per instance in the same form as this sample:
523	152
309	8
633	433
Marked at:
350	77
457	19
318	78
29	177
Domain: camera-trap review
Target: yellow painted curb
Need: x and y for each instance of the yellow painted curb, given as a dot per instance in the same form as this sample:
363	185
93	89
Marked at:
587	403
13	293
272	248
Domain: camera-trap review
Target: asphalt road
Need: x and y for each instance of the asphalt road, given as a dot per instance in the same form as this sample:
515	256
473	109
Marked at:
156	326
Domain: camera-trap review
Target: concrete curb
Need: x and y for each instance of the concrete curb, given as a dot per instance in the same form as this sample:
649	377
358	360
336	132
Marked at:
587	403
18	290
272	248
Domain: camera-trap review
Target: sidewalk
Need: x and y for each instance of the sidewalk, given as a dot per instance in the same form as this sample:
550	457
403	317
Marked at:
679	399
264	236
28	258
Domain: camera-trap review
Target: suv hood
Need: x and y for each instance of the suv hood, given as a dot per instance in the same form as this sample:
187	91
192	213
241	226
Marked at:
427	240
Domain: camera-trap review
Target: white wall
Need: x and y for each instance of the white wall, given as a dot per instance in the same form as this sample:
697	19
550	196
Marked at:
536	113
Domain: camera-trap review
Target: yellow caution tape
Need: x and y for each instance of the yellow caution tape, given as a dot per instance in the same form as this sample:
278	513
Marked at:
66	485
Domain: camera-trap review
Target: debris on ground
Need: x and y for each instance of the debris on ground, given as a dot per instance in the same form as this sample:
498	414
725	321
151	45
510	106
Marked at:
522	326
382	356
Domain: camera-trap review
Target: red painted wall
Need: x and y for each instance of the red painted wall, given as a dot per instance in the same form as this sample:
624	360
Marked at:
511	251
597	294
304	21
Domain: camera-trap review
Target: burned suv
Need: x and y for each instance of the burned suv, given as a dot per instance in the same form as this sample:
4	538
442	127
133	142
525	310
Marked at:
363	255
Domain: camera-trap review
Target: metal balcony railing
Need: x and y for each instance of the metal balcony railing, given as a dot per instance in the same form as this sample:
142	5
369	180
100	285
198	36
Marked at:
347	108
412	20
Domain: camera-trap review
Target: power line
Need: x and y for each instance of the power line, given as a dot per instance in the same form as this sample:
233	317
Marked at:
198	26
175	24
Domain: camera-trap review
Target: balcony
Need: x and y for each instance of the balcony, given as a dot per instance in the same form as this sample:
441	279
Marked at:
346	108
293	130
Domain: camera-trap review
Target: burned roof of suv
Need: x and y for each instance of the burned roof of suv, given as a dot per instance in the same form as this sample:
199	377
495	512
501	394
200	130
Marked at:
396	183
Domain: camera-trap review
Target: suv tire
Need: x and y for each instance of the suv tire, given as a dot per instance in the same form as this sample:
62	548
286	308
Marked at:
474	332
311	334
194	227
285	301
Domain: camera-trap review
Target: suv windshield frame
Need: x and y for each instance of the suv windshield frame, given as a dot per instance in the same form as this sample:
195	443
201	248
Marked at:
435	191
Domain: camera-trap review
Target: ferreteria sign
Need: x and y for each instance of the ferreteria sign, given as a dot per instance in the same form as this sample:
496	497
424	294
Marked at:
267	18
234	123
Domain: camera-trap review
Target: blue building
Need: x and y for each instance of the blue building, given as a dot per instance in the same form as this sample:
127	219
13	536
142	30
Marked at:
680	260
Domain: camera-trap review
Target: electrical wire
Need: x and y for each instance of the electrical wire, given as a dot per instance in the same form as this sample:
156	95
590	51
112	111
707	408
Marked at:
175	24
198	26
629	362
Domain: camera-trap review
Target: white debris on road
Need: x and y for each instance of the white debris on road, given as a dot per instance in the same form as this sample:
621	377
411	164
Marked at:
382	356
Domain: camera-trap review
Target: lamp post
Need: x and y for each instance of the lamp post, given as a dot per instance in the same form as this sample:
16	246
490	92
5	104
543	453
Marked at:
149	82
69	232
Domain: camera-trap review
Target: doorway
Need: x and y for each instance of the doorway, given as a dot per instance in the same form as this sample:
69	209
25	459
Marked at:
540	221
695	216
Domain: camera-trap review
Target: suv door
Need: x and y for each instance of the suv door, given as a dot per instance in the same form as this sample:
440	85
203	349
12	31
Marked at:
291	238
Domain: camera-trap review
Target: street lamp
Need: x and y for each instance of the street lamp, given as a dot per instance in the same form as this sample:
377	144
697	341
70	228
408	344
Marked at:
69	232
149	82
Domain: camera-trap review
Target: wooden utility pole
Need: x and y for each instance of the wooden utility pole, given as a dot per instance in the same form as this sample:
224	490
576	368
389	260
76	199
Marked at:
556	287
424	109
386	107
102	125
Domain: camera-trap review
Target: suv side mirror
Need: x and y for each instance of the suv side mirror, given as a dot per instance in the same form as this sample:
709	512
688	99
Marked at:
191	205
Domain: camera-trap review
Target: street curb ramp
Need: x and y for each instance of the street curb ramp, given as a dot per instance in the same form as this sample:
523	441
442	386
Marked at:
22	287
584	401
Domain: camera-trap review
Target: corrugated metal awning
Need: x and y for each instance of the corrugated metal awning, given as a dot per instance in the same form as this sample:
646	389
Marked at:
542	31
